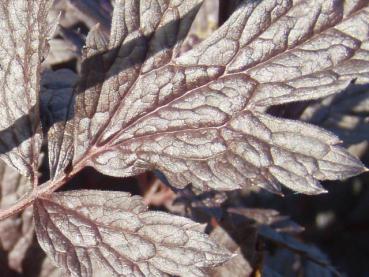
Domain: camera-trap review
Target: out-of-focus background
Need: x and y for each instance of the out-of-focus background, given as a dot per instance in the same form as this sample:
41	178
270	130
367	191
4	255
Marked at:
293	235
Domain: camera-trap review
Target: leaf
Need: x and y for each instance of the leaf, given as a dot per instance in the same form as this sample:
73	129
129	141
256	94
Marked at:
200	117
86	230
21	52
16	233
95	100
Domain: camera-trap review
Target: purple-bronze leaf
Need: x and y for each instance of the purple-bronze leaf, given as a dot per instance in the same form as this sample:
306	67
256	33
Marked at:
24	29
85	232
200	117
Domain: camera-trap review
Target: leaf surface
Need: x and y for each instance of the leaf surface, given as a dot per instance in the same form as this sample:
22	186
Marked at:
16	232
85	231
200	117
23	28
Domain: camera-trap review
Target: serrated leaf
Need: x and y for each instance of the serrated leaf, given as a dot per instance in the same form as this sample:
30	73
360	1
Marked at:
133	38
200	117
83	231
21	51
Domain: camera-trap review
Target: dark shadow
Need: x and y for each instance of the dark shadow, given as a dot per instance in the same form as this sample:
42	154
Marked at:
344	104
33	259
89	178
4	267
226	8
243	232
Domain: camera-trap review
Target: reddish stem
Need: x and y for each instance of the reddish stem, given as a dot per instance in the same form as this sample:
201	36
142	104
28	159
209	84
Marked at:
23	203
45	189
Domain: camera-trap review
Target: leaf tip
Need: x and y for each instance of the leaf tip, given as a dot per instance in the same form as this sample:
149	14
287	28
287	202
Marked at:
317	190
233	255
